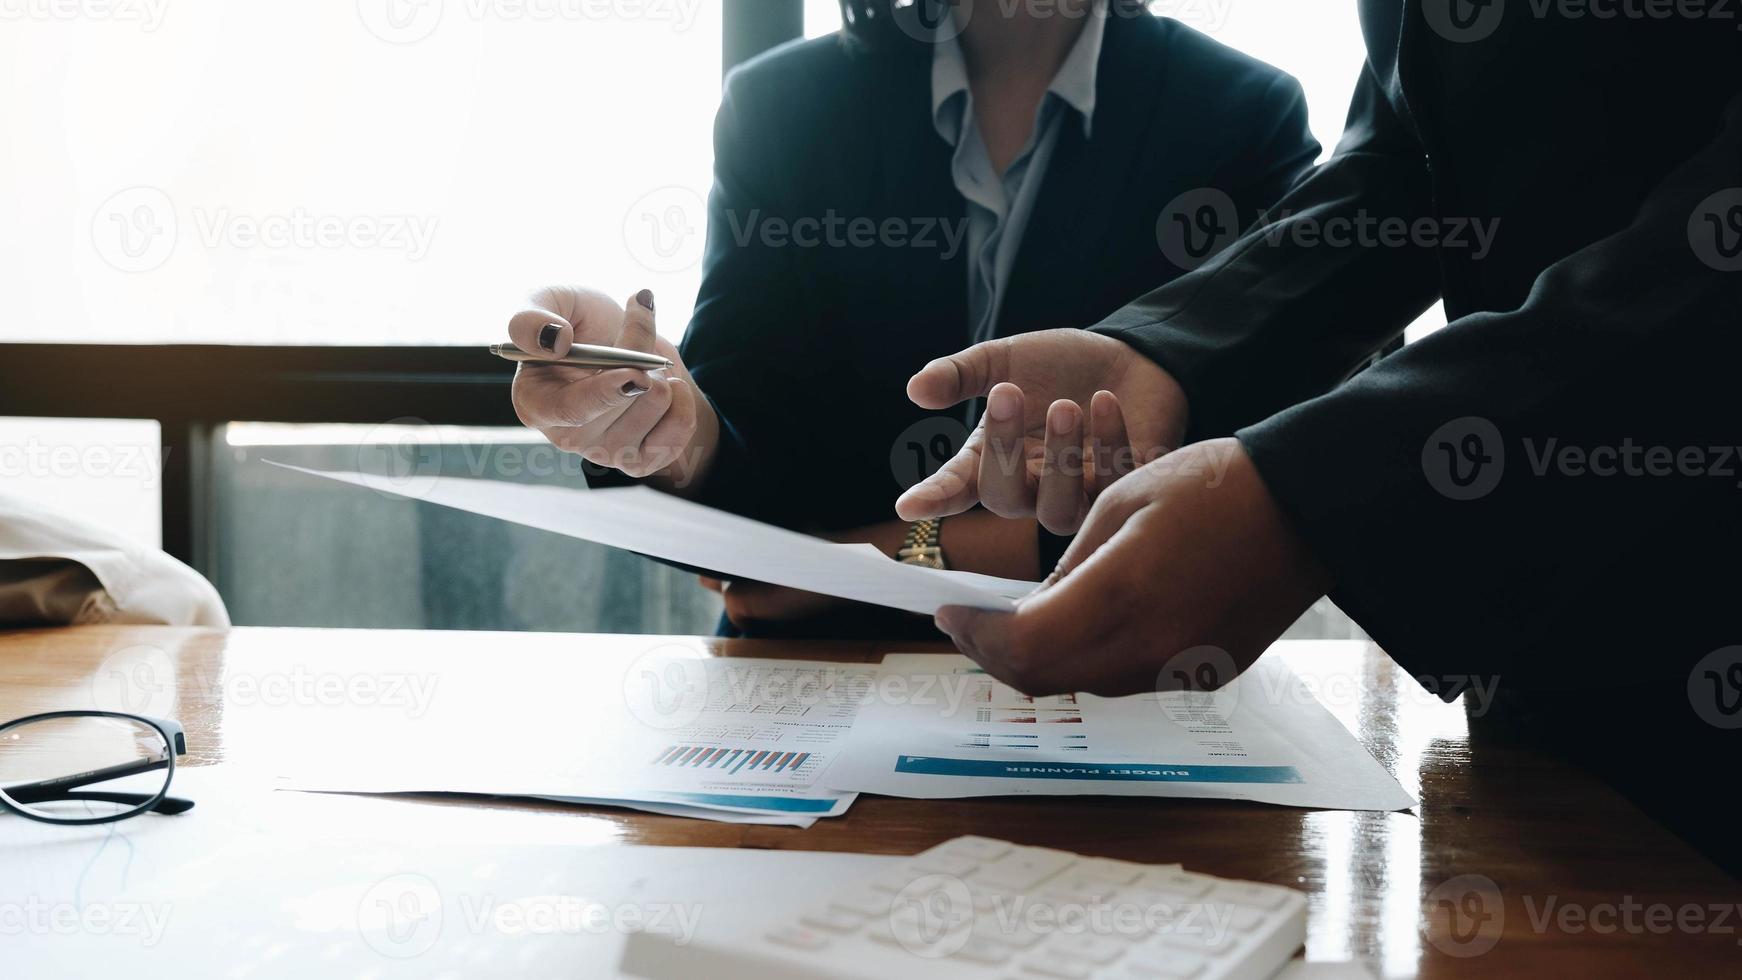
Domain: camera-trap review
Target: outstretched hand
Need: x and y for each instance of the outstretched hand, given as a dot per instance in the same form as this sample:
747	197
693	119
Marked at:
1068	413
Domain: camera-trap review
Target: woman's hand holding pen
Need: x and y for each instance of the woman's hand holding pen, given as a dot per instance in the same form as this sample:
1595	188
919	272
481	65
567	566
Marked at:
647	424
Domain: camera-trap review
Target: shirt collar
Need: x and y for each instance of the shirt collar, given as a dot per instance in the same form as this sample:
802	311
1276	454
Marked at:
1074	84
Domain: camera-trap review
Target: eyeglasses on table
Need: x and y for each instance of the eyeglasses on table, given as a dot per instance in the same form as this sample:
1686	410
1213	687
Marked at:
54	766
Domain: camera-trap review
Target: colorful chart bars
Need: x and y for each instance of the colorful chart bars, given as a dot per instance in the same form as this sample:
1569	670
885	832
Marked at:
730	761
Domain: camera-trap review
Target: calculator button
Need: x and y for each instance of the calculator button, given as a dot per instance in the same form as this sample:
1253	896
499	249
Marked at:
1118	872
798	937
1177	882
911	880
893	881
834	920
1023	869
1015	936
1092	949
1160	904
992	900
1082	888
1055	894
1200	939
980	951
1178	966
943	864
973	848
1062	967
865	902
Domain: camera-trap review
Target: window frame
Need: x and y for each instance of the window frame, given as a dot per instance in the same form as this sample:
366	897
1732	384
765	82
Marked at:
193	390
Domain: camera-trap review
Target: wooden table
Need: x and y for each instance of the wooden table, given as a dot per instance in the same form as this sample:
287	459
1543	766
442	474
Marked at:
1457	887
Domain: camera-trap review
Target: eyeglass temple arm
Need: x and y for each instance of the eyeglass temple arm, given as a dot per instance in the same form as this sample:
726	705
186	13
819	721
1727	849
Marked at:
169	804
59	787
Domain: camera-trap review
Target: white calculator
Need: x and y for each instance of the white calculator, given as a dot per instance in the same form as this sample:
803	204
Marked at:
977	907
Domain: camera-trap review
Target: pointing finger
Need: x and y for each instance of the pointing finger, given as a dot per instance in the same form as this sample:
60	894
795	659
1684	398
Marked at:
1109	446
952	489
1059	504
1004	482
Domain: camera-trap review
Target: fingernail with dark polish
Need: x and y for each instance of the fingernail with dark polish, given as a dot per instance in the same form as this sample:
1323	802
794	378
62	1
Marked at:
547	337
645	298
632	389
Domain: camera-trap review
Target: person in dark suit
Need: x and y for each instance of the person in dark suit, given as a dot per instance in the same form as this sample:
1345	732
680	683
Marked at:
1539	494
883	198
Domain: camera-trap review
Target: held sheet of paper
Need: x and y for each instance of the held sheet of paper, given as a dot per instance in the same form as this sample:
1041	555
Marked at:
670	528
936	726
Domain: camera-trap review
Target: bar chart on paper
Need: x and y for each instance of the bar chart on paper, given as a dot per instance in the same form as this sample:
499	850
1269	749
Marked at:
727	762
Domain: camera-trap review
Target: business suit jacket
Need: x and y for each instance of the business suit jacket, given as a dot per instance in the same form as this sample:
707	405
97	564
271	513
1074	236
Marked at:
805	349
1602	315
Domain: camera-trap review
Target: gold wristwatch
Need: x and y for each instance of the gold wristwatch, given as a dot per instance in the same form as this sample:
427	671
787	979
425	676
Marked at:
924	545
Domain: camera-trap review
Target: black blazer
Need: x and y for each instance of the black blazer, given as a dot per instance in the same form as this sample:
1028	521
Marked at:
806	351
1603	314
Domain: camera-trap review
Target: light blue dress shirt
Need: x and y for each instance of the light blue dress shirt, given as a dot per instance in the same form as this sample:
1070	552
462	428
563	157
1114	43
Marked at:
999	206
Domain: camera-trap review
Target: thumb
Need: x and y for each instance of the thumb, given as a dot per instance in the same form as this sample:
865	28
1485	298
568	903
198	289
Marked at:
1026	648
959	377
978	633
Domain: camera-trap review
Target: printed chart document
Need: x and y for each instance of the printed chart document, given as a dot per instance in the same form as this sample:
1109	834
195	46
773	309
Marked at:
658	524
725	738
936	726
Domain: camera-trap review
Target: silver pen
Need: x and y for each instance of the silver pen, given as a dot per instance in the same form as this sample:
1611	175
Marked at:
586	355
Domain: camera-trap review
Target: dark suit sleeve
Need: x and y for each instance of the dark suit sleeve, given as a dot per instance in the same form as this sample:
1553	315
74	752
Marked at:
1542	491
754	344
1283	152
1268	323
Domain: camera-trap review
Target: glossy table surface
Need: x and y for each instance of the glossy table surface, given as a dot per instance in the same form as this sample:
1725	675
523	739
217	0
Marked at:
1512	865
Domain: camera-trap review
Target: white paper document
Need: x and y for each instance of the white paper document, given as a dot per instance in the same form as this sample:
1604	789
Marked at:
658	524
726	738
939	727
716	814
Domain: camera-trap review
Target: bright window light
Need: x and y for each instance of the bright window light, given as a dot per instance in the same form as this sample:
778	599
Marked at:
362	172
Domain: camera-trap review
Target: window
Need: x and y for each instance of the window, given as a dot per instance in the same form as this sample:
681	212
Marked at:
370	172
106	473
365	172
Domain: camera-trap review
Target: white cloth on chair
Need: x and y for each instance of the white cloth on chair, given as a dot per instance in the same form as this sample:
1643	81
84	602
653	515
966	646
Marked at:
56	569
